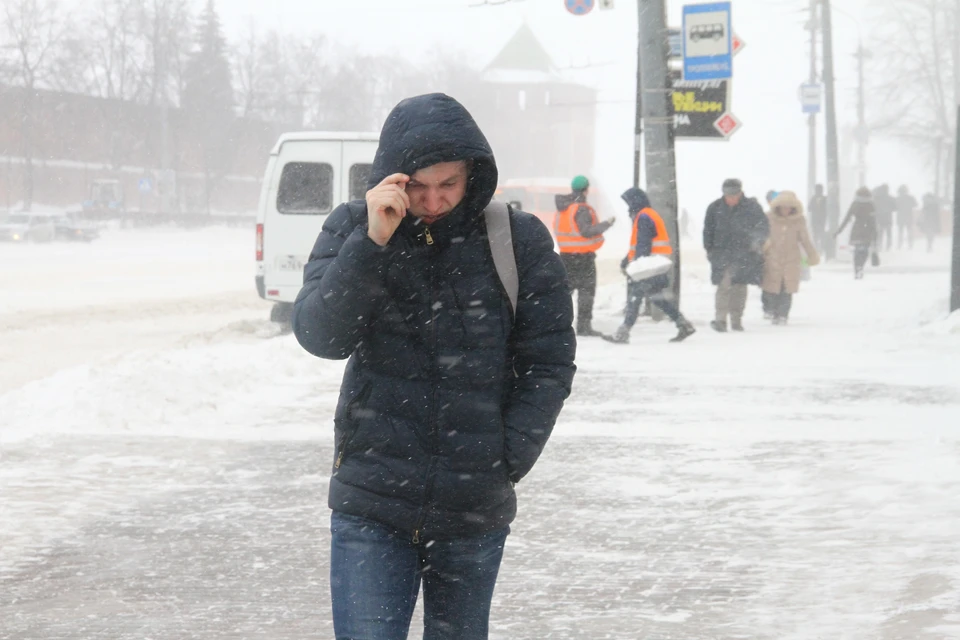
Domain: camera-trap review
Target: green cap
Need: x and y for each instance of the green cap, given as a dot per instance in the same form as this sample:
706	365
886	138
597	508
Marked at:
579	183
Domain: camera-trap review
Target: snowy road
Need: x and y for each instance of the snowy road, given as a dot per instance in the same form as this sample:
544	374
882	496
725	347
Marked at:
796	482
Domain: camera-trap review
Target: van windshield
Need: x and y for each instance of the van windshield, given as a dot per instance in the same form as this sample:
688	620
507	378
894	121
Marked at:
306	188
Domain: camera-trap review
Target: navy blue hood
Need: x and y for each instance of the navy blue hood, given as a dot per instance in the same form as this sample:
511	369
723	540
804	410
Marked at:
636	200
425	130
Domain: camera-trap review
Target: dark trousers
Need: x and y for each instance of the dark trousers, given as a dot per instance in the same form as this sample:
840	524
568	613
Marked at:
375	577
635	295
860	254
777	304
582	274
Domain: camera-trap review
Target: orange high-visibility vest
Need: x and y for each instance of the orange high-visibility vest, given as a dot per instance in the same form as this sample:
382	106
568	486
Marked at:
661	242
568	234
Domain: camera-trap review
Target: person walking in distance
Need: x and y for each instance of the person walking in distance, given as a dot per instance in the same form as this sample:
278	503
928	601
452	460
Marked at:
579	234
783	259
454	379
734	231
906	205
818	217
649	237
930	219
863	235
885	205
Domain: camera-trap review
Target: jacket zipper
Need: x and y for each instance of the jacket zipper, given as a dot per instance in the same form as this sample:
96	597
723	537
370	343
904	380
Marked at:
428	484
361	398
343	448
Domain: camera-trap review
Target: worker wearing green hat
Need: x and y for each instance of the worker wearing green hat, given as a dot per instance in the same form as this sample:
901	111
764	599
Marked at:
579	233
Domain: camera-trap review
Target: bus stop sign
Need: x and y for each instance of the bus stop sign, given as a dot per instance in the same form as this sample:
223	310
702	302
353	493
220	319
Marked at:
707	42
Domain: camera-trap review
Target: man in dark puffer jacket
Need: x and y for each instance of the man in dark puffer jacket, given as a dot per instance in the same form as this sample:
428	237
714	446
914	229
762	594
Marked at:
449	397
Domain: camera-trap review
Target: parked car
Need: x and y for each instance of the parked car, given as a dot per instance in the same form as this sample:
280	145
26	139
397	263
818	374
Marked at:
73	229
307	175
24	227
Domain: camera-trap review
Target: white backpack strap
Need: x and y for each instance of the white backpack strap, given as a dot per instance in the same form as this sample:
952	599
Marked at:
500	236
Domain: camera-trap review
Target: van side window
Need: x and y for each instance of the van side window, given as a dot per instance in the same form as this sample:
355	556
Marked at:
359	175
306	188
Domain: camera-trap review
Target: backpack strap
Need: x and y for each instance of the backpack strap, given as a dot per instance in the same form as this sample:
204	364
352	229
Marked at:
500	236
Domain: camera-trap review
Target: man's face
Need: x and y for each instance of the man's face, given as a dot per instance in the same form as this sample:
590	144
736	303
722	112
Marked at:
434	191
732	200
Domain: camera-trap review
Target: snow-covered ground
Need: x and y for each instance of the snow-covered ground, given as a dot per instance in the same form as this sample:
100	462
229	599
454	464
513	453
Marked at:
164	458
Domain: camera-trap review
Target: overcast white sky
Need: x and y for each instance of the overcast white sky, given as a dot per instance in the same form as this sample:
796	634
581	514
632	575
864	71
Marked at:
769	152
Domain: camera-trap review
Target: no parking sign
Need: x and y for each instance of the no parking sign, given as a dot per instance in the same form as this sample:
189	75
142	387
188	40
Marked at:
579	7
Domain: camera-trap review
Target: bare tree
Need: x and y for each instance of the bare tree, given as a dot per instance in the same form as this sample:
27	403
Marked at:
915	81
246	60
31	32
166	28
118	52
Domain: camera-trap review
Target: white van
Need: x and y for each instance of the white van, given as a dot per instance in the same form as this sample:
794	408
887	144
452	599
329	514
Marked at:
308	175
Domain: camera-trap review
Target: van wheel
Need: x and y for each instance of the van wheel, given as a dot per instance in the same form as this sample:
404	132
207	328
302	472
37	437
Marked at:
282	313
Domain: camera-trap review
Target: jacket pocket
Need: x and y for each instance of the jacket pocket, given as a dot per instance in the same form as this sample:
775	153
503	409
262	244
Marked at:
345	423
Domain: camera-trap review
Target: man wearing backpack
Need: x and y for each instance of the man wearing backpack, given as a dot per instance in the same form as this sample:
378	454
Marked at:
455	378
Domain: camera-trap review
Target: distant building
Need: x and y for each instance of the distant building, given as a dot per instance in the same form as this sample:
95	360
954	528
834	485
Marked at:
538	124
77	139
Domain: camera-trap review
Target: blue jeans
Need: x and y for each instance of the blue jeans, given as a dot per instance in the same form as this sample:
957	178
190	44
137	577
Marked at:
375	575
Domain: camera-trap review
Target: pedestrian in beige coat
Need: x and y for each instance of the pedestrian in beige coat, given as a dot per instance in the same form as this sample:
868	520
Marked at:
783	260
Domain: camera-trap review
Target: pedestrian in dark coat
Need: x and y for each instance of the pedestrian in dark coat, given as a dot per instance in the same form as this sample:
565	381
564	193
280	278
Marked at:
930	219
863	235
734	231
449	395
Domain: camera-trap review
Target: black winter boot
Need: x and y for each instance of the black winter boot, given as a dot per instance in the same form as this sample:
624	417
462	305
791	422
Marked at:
686	330
719	325
621	336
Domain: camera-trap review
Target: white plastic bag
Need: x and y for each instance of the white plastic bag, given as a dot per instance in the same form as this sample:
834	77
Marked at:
648	267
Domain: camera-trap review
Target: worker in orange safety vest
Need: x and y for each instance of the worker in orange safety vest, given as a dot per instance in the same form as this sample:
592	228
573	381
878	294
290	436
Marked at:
579	233
649	237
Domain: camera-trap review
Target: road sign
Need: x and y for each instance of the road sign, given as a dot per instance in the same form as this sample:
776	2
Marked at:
737	44
579	7
727	124
810	97
707	46
675	37
145	185
697	106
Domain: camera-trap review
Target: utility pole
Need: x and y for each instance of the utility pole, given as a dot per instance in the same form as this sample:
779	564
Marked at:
863	136
638	121
814	26
833	161
955	278
658	121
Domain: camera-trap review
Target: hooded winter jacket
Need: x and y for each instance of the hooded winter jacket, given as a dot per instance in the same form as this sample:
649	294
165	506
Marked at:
789	236
448	397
